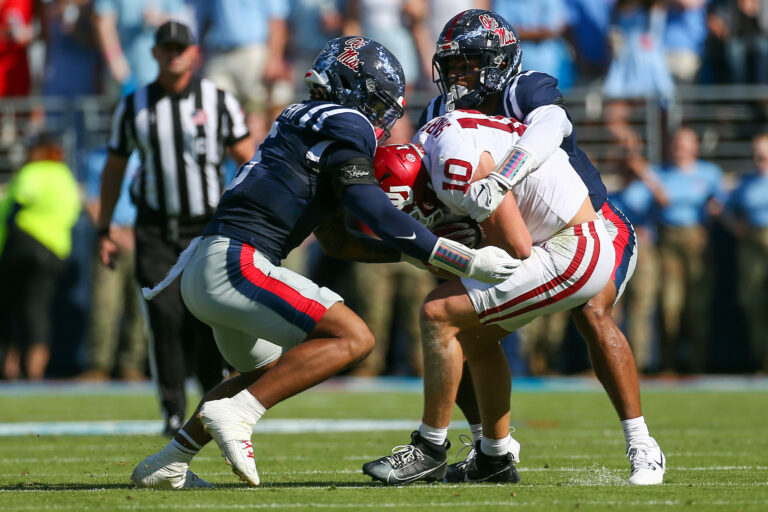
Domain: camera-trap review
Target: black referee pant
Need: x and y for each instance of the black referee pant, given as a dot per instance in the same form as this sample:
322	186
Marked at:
182	345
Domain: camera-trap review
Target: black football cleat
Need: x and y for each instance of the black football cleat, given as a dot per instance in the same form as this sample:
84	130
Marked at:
458	470
418	461
488	468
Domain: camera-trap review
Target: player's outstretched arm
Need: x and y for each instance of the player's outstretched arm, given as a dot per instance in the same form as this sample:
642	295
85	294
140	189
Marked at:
397	229
337	241
547	126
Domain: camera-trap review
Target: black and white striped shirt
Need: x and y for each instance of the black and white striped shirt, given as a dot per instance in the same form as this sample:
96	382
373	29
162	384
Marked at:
181	140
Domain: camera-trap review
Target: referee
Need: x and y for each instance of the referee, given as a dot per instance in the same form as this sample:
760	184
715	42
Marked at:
180	125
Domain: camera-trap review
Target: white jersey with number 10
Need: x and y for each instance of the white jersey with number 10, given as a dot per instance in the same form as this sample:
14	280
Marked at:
548	198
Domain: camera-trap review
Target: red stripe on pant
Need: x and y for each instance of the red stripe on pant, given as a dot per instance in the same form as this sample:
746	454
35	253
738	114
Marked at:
574	265
309	307
571	289
622	236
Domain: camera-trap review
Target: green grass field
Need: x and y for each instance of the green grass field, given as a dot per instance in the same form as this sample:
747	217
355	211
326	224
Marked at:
572	456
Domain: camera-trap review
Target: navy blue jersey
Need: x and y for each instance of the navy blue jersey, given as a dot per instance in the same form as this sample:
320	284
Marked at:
277	199
528	91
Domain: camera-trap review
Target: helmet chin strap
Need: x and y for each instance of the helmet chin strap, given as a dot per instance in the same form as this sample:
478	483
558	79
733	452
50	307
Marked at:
472	99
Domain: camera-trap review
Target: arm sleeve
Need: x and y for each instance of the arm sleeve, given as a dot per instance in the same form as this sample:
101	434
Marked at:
547	126
347	166
397	229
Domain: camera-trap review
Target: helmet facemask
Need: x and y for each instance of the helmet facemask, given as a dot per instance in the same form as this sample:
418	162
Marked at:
489	66
381	108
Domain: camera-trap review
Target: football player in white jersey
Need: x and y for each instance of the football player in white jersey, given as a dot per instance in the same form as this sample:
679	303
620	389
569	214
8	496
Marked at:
567	257
477	64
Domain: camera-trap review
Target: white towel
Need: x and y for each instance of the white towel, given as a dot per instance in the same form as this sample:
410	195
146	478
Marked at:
176	270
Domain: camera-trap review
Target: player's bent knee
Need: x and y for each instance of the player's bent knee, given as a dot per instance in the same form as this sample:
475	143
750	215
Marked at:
433	312
357	338
595	311
359	344
246	359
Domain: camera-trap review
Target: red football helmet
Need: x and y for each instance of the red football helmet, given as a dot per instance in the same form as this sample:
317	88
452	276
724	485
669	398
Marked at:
405	180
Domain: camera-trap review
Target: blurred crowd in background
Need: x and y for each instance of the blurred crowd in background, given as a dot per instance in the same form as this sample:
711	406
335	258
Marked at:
698	301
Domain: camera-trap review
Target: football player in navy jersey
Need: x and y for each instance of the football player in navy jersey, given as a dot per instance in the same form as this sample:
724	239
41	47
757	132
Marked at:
281	331
477	64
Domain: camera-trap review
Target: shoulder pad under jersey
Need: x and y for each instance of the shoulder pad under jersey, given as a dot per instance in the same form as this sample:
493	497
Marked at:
528	91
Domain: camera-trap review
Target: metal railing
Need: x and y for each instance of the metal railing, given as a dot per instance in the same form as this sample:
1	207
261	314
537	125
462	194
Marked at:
725	117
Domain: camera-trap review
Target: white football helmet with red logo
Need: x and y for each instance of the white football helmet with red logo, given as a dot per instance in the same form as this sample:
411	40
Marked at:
405	180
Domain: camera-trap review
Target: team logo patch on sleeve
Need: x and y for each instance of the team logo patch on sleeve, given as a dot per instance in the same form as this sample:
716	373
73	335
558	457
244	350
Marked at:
354	172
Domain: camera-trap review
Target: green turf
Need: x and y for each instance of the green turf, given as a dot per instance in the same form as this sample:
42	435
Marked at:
572	457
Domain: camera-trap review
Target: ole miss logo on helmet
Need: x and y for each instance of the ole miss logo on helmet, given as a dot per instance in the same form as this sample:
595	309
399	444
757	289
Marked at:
349	57
506	37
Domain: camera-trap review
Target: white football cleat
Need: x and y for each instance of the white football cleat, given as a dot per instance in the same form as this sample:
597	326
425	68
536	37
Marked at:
648	463
158	471
232	432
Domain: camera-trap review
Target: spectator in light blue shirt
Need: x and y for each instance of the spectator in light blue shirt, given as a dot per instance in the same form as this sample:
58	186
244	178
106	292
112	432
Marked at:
228	24
317	21
684	35
694	187
638	67
540	25
126	31
244	43
748	207
693	190
749	200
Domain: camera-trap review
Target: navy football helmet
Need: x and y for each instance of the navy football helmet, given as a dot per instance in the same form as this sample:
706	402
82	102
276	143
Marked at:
360	73
494	46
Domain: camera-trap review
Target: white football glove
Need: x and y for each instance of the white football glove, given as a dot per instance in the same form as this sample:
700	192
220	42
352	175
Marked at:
485	195
489	264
